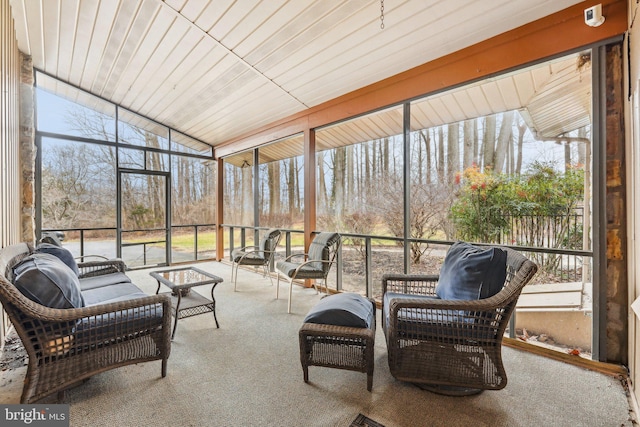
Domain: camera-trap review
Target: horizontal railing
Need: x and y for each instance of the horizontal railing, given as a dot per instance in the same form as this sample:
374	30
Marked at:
567	264
109	234
232	230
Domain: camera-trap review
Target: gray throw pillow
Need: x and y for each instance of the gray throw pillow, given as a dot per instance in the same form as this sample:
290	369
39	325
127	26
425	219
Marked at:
344	309
64	254
471	273
45	279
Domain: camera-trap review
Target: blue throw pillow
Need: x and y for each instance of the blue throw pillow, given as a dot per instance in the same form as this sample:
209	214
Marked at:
344	309
64	254
471	273
45	279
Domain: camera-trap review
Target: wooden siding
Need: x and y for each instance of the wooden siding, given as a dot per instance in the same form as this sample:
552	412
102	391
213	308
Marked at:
9	136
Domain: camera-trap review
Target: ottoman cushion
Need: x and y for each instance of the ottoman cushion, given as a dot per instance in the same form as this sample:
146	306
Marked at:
344	309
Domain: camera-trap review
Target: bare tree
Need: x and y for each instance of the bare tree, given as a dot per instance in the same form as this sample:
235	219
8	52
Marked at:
504	137
429	206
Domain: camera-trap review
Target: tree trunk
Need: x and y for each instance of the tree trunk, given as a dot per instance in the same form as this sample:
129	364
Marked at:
339	175
426	138
453	151
489	139
522	128
247	195
323	196
440	162
476	143
506	130
273	185
469	140
291	182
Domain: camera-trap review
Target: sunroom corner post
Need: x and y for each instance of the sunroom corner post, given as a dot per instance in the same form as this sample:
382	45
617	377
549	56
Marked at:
219	209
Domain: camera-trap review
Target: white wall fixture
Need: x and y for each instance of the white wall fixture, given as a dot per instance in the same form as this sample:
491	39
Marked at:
593	16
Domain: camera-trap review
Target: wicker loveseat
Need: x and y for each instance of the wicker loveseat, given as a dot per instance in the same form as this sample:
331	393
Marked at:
117	325
451	346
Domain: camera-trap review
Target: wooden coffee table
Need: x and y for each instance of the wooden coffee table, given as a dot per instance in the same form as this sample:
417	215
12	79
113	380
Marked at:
184	302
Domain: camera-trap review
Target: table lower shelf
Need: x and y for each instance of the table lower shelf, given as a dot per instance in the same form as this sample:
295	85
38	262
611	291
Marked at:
190	305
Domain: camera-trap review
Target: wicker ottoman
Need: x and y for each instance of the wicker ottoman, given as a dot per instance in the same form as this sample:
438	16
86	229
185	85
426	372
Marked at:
339	347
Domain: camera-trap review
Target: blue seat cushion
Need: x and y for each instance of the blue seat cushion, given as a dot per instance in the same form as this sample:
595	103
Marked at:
45	279
64	254
134	321
112	293
471	273
344	309
92	282
434	324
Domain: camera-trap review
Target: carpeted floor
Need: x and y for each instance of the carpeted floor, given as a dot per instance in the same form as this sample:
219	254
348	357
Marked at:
247	373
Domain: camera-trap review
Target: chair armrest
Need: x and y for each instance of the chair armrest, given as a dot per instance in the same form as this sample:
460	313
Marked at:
246	248
253	249
98	268
309	261
290	257
415	284
82	258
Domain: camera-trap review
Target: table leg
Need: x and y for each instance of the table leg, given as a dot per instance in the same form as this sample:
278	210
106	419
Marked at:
175	325
213	301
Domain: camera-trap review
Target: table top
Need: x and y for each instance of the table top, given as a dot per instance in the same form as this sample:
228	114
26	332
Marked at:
184	277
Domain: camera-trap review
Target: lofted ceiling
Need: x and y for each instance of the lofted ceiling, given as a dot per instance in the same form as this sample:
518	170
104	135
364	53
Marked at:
216	69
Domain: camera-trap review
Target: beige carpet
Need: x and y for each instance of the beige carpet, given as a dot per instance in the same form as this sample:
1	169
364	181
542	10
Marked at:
247	373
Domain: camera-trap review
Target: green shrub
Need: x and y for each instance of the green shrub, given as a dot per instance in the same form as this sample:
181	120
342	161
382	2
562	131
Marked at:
486	201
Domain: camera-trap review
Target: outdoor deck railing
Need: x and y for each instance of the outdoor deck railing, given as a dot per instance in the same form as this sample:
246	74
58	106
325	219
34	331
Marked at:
85	236
561	264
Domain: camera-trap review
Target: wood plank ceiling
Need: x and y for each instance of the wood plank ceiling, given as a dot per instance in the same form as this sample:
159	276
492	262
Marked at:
215	69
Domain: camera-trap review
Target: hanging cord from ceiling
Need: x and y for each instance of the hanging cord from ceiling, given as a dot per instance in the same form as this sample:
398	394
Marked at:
382	14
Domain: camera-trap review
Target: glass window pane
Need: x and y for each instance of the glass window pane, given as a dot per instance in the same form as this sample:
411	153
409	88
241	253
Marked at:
131	159
143	201
359	175
157	161
78	185
185	144
281	184
238	189
192	191
66	110
136	130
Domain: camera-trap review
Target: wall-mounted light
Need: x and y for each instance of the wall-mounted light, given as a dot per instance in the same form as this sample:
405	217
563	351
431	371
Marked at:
593	16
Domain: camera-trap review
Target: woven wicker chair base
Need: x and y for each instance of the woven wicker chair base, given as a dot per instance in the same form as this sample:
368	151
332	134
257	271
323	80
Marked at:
451	347
448	390
338	347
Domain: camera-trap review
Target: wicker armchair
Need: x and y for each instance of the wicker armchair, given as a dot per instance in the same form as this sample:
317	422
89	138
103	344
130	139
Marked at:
314	265
451	347
66	346
256	256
